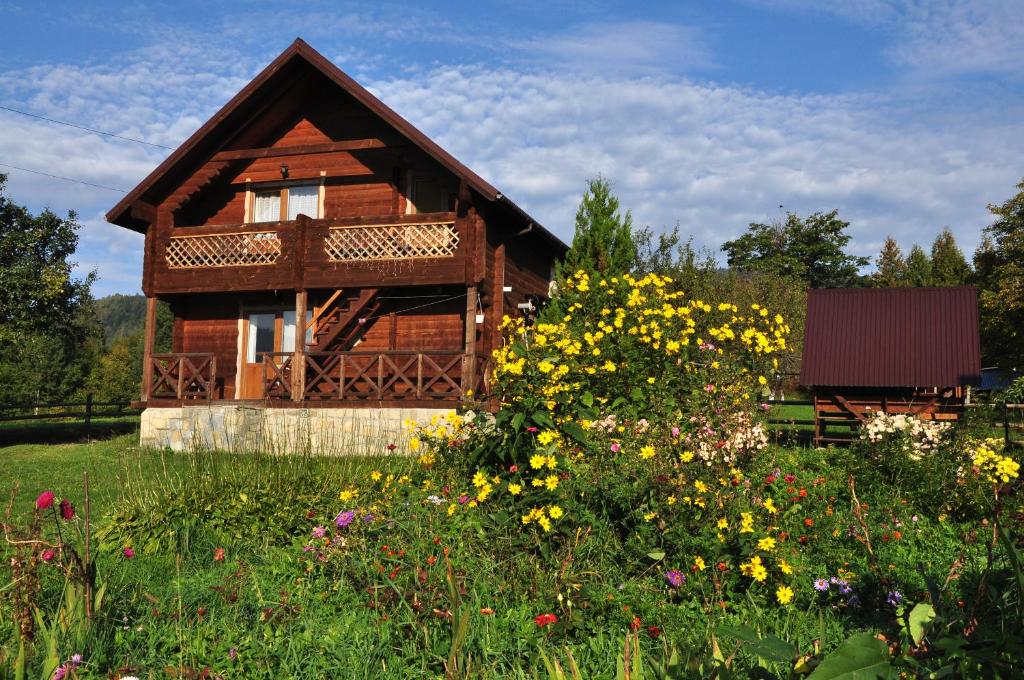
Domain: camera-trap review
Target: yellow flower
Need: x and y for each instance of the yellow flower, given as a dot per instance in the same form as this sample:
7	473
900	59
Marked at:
761	380
723	523
647	452
784	594
785	568
698	563
555	512
671	500
648	516
609	366
451	509
348	494
545	366
546	437
537	461
552	462
686	456
479	479
767	544
515	489
376	475
551	482
746	523
537	482
769	505
700	486
544	523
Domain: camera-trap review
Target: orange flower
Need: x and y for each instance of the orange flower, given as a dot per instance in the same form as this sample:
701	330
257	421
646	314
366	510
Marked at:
218	555
808	522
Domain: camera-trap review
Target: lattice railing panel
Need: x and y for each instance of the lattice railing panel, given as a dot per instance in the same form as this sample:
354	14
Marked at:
223	250
391	242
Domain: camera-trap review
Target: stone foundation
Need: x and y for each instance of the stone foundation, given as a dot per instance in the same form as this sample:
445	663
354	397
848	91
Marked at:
325	431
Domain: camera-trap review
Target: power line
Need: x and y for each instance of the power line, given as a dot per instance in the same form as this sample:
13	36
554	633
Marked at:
87	129
66	179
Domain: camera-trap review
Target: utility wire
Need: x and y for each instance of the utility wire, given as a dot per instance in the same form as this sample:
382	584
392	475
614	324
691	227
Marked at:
66	179
87	129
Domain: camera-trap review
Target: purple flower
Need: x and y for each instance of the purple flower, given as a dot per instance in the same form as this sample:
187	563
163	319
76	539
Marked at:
675	578
76	660
463	499
60	672
233	653
307	548
894	598
821	585
345	518
368	517
319	531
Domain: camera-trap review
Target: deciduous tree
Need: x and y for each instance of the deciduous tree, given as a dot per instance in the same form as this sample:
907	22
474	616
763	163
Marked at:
999	262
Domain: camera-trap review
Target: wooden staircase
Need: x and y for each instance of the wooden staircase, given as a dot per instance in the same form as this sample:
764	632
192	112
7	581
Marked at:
336	324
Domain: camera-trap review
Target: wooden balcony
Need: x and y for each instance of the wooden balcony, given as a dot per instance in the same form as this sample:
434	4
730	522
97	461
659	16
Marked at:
412	378
434	248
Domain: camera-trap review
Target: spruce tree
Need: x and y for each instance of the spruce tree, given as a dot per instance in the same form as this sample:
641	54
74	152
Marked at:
603	242
919	267
949	266
890	267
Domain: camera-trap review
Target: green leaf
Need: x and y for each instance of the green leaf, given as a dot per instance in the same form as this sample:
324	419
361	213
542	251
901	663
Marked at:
657	555
575	431
587	398
861	657
543	419
918	620
517	421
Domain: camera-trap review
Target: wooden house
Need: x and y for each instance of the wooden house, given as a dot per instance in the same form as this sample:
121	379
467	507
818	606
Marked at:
897	350
317	250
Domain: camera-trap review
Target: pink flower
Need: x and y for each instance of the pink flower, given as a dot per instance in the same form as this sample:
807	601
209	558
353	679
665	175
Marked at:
67	511
615	447
128	553
675	431
709	388
531	429
45	500
49	554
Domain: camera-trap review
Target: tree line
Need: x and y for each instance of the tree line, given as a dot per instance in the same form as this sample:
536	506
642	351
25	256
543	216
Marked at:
57	342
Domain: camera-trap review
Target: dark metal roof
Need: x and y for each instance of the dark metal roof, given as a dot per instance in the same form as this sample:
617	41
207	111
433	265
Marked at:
892	337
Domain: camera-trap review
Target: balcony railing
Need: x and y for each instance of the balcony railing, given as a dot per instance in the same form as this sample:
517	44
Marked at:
307	253
183	376
439	375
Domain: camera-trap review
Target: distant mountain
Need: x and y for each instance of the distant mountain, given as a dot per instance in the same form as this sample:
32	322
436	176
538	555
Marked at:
121	315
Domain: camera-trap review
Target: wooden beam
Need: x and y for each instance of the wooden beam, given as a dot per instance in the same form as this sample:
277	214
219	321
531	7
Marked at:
469	360
147	347
299	358
140	210
841	400
302	150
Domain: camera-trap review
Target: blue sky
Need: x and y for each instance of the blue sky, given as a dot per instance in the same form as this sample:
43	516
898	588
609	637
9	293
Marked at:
906	116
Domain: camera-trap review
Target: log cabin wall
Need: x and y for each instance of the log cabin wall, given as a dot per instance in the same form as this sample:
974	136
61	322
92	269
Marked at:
209	323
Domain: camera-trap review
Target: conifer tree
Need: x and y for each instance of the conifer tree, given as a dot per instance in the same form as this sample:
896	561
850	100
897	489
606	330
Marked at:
949	266
890	267
919	267
603	242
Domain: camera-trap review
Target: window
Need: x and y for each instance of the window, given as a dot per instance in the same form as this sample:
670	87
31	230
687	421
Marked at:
426	195
261	336
292	201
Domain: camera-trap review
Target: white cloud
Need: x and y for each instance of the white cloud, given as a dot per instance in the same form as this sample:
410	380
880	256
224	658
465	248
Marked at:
937	37
622	46
711	157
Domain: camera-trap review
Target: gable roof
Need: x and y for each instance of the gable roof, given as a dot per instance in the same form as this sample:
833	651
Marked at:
892	337
192	150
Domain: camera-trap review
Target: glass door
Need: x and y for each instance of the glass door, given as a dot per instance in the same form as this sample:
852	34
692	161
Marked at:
266	332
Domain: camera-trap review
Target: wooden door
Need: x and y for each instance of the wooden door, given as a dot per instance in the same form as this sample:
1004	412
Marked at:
265	331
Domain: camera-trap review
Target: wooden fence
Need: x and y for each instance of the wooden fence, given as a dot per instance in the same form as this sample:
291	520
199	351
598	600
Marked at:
78	410
1008	418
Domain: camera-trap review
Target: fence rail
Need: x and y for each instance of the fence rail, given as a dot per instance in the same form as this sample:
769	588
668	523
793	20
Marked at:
73	410
1008	417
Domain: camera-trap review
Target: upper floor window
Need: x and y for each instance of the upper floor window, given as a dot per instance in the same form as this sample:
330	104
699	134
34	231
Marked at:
426	194
298	199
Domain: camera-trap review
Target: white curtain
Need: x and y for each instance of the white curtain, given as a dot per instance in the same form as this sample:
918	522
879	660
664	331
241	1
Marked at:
267	207
304	200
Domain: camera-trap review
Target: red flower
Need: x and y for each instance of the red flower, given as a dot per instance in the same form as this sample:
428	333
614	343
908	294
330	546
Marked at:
45	500
790	478
803	493
808	522
545	619
513	468
635	624
392	447
897	535
531	428
48	554
218	554
67	511
654	632
722	566
128	553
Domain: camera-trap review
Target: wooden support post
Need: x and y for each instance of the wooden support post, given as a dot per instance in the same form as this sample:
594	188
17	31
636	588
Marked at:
299	360
469	356
147	347
88	409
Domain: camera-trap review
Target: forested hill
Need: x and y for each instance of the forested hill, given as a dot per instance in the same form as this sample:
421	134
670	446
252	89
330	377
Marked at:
121	315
